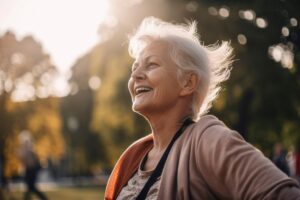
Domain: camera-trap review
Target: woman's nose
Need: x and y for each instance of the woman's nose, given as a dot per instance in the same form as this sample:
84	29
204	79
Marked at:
138	74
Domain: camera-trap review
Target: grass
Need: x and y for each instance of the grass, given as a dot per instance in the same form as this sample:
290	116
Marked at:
65	193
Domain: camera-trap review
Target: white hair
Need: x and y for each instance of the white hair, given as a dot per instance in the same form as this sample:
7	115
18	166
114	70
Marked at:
210	63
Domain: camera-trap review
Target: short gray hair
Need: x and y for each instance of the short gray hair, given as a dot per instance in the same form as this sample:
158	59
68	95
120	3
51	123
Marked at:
210	63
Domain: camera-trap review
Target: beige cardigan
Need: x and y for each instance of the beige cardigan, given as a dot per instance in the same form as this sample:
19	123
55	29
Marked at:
208	161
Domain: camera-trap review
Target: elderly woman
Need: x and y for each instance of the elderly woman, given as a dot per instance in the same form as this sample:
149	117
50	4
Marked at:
188	155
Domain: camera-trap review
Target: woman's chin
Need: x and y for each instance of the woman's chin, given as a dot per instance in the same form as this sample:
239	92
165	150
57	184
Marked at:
139	108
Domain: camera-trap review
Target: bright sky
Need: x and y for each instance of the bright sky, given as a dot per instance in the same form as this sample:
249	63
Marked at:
66	28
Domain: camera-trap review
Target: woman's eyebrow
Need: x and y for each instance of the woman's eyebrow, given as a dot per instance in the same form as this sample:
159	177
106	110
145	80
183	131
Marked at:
145	60
149	57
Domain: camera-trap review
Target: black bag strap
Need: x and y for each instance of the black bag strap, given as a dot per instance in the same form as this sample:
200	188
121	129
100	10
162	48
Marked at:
158	170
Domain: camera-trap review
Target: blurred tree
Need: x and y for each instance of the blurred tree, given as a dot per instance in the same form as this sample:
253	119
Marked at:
86	152
25	74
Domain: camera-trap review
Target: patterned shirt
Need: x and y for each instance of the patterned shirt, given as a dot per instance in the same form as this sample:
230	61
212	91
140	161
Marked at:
136	184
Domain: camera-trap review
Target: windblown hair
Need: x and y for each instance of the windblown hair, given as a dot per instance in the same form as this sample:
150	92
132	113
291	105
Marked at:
210	63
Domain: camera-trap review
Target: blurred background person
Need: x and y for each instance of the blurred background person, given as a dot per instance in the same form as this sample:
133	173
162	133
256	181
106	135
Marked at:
291	160
2	185
297	171
279	159
31	166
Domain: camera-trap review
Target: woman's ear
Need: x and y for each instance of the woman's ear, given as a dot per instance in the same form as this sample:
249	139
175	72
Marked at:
190	84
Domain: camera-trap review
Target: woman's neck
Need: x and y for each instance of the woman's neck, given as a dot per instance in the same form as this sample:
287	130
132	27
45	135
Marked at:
164	128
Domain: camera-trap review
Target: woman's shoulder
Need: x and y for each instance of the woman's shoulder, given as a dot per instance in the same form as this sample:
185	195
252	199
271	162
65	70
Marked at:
209	133
231	166
209	126
207	121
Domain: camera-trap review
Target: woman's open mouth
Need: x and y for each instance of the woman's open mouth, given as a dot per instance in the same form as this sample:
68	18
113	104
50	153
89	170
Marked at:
142	89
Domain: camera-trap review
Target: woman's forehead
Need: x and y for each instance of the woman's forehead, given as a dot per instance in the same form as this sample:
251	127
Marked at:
156	49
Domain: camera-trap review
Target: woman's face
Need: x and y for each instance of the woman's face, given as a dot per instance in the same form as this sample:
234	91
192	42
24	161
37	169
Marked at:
153	84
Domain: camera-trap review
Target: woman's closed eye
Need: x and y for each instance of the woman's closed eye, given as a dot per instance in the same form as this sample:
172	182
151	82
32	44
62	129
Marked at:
147	66
151	65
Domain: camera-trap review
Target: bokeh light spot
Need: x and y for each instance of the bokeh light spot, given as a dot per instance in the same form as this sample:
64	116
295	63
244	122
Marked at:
249	15
285	31
192	6
94	82
261	23
213	11
224	12
242	39
293	21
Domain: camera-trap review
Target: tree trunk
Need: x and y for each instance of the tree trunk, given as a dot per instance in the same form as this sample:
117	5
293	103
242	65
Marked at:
4	123
243	110
2	165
